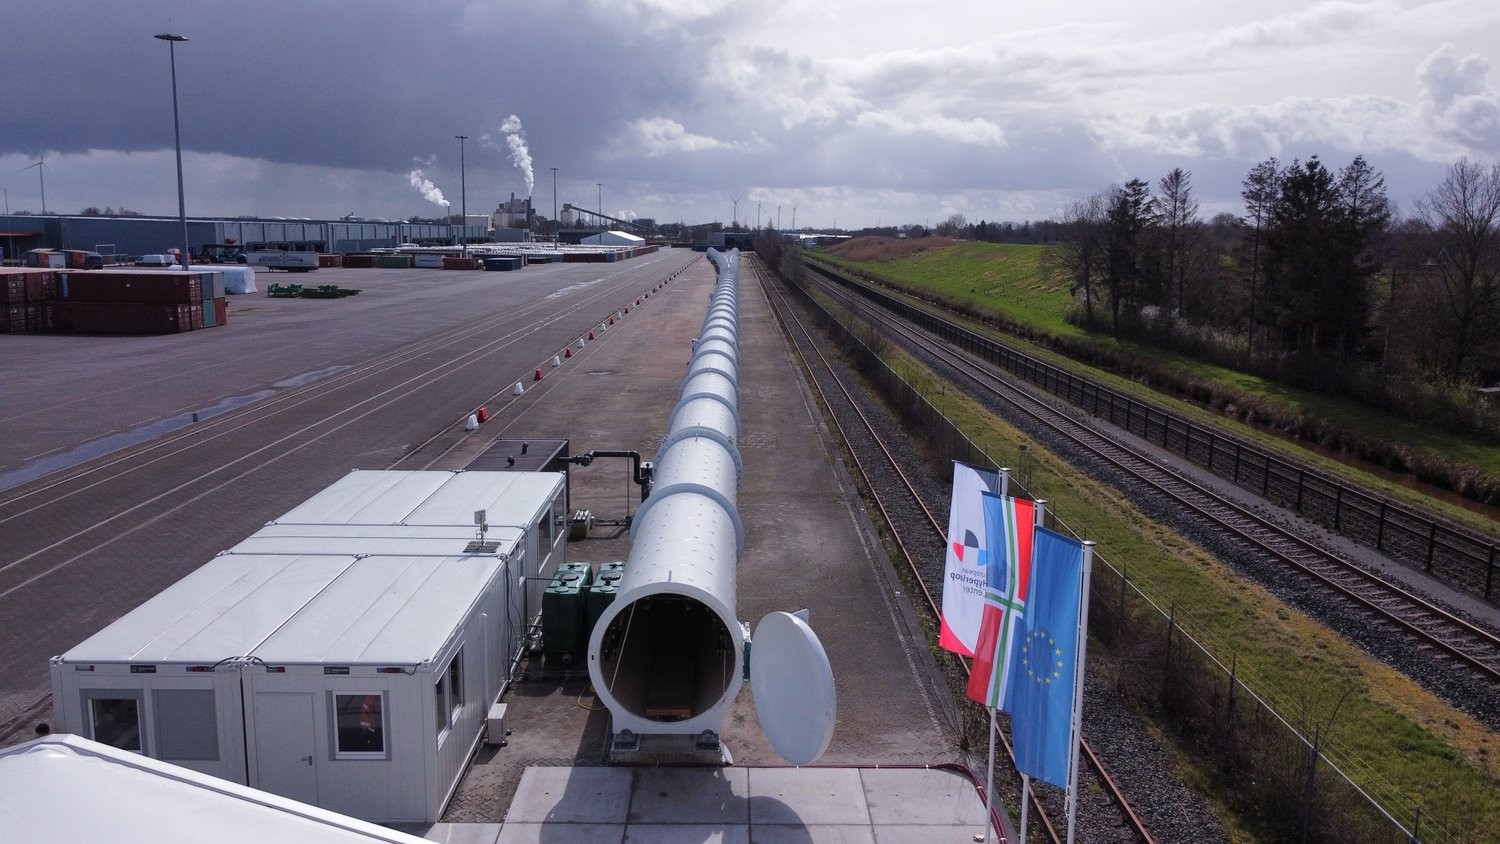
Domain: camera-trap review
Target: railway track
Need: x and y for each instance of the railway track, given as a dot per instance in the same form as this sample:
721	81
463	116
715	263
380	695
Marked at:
1455	642
890	488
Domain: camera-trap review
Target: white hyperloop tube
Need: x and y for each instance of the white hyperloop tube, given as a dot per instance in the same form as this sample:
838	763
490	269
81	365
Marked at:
667	657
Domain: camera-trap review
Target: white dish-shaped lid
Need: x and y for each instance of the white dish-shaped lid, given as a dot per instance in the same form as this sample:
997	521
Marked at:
793	687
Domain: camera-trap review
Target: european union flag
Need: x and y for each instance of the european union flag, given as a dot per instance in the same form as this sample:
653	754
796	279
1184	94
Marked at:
1045	655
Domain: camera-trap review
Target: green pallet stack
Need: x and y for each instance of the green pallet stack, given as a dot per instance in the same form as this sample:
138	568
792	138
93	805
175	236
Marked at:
563	637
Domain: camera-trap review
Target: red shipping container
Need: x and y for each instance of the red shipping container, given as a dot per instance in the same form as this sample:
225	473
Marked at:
167	288
221	311
334	260
121	317
12	319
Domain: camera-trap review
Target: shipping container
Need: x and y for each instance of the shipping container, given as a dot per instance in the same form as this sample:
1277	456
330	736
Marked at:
221	311
345	655
120	317
172	287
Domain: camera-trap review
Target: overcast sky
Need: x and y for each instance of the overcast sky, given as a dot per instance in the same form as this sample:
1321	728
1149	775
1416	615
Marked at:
856	112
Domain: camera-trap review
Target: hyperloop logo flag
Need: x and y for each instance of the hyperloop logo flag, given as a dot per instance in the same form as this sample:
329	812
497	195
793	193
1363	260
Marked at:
963	570
1045	655
1009	524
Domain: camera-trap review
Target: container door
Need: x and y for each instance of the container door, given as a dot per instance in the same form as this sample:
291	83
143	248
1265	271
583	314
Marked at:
285	745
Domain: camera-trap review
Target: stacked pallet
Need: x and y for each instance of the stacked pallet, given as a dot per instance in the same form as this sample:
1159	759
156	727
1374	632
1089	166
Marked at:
138	302
23	299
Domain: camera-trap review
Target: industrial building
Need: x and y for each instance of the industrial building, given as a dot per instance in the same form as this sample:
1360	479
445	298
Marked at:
132	236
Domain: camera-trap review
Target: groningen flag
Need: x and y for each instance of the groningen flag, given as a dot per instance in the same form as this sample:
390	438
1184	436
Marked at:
963	570
1040	698
1008	525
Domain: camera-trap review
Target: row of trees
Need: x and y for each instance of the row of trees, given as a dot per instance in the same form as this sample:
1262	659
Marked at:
1316	275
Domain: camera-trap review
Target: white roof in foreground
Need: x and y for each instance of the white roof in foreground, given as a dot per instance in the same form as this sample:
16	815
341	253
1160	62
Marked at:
66	788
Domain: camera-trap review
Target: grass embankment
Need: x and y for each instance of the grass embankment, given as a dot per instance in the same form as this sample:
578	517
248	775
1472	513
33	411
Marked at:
1009	282
1387	733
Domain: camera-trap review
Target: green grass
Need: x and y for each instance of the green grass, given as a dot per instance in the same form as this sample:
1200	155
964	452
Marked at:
1389	734
1008	280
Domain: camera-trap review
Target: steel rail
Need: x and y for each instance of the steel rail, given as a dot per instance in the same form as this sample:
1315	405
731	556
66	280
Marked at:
1110	784
1388	602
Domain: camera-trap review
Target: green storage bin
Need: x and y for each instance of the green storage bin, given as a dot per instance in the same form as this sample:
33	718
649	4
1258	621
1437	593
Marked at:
601	594
563	639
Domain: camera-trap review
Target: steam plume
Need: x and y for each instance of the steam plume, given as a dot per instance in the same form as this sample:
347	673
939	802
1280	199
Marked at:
519	154
428	190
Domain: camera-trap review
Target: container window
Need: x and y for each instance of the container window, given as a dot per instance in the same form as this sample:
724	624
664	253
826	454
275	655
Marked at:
456	684
360	723
115	719
440	705
187	728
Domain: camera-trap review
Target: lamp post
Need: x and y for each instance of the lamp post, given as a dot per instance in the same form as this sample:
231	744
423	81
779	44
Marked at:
463	200
556	223
172	41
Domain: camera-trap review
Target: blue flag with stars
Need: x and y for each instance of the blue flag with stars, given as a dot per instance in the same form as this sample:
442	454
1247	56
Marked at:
1045	653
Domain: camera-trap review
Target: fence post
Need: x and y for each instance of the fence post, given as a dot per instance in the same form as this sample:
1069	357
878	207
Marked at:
1380	530
1312	771
1431	544
1212	438
1489	573
1237	451
1301	477
1265	478
1166	676
1338	509
1234	662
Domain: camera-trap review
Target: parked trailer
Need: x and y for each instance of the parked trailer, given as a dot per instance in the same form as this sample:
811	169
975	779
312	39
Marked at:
297	262
345	655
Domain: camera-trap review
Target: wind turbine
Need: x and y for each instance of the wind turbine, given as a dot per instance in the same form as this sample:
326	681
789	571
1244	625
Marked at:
40	165
735	217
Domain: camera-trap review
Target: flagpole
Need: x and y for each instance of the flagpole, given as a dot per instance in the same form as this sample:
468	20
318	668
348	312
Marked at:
1025	804
1004	481
1083	635
989	781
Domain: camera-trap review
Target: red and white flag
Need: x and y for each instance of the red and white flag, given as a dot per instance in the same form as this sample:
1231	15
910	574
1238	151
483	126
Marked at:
963	570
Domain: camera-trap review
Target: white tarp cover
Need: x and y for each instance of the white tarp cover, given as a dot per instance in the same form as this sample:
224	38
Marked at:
237	278
66	788
614	238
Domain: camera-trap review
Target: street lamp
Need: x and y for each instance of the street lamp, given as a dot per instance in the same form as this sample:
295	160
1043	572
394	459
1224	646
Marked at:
172	41
556	223
463	200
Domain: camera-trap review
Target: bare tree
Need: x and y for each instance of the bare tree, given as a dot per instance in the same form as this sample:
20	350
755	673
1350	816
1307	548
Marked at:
1081	249
1461	217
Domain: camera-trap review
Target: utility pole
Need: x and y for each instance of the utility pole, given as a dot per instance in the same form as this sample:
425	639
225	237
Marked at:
463	200
172	41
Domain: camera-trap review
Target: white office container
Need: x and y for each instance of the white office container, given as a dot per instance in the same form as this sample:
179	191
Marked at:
346	655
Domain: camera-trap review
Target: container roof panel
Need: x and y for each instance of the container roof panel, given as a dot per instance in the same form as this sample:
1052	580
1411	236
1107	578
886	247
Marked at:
368	540
368	498
508	498
396	610
223	609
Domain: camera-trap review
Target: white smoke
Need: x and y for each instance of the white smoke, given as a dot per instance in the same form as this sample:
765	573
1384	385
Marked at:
425	187
519	154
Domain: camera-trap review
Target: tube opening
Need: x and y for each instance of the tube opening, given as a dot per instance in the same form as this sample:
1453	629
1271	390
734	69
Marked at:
667	658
